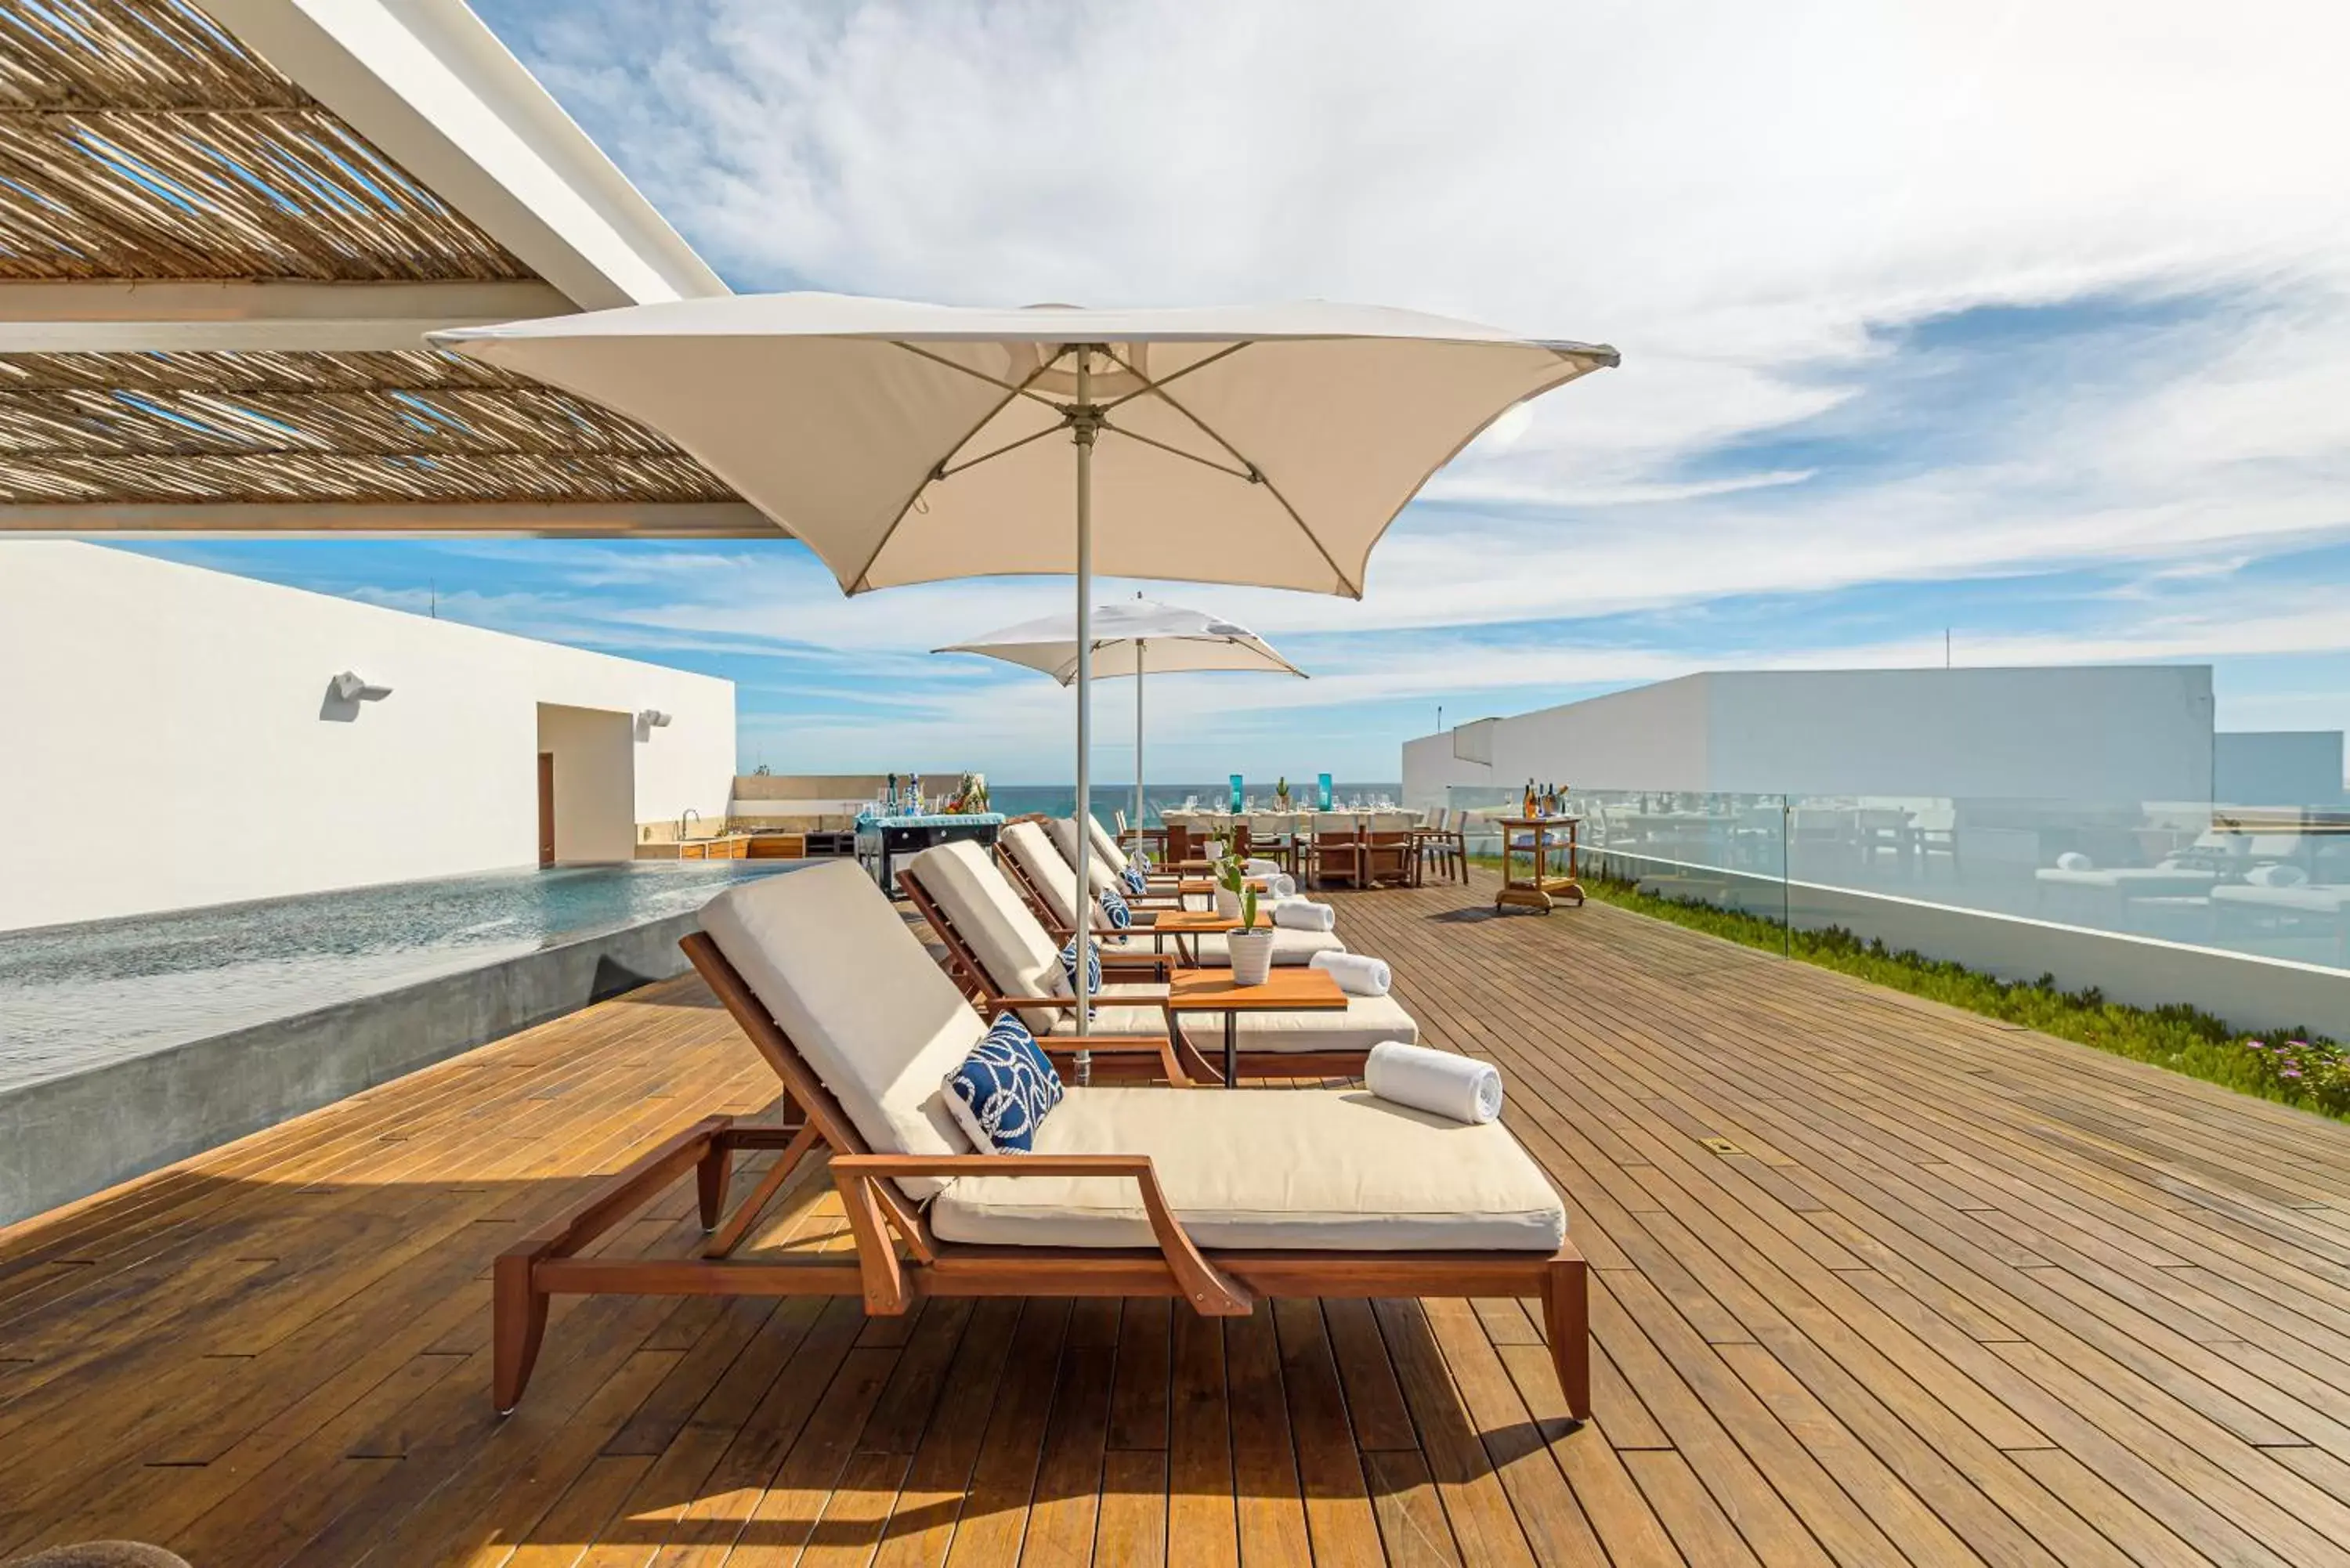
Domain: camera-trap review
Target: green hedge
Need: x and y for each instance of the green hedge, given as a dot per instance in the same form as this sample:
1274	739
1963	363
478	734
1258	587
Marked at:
2296	1067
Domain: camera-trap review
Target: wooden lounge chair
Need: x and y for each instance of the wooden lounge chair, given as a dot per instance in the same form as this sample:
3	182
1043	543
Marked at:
1104	872
996	947
1216	1199
1050	884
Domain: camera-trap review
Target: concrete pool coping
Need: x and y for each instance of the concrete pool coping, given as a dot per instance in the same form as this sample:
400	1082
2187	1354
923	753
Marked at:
64	1138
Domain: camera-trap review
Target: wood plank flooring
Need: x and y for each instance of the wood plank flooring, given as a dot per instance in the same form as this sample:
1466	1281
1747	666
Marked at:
1874	1283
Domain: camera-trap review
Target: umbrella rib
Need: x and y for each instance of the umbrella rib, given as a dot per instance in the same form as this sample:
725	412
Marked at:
1149	386
945	472
1255	475
1011	392
1020	388
1251	474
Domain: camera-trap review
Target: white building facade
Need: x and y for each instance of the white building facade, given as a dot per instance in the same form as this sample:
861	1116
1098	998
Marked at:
172	737
2085	733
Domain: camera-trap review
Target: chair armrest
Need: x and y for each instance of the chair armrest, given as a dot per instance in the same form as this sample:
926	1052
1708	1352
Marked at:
1209	1291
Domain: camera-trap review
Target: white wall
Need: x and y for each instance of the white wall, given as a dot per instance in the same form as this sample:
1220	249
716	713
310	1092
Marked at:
168	739
2277	768
594	782
2082	734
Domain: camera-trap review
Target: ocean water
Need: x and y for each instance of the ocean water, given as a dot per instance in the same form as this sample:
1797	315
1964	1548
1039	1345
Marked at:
1060	800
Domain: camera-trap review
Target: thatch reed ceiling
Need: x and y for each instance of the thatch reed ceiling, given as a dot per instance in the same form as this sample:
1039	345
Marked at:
138	140
215	427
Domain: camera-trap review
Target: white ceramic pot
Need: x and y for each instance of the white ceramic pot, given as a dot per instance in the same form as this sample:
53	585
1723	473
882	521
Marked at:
1228	903
1252	955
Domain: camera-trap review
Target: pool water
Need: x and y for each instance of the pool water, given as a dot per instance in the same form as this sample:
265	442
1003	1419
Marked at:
74	997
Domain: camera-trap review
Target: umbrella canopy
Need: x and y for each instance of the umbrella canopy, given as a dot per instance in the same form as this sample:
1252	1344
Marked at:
1132	637
1136	636
905	443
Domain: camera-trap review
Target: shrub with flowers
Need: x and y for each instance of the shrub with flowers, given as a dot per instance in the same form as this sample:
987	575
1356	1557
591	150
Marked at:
2312	1072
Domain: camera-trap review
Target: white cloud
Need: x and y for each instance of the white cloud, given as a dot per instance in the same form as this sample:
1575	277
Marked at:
1750	202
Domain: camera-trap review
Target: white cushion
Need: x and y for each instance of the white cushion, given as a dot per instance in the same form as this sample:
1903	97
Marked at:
2140	880
1099	872
1049	874
1019	956
1313	1169
1106	846
2309	898
1366	1020
869	1010
1289	947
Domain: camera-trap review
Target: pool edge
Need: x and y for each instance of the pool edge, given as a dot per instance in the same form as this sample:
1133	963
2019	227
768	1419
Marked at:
64	1138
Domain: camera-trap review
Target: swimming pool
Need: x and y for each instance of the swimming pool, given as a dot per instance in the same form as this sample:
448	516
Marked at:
76	997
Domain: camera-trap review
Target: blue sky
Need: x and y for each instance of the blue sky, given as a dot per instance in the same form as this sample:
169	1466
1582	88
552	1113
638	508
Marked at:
1933	318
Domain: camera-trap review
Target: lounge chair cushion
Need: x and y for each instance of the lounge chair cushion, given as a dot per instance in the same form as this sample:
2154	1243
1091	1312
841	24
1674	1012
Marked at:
870	1010
1019	956
1289	947
1366	1020
1317	1169
1101	872
1046	871
2144	881
2308	898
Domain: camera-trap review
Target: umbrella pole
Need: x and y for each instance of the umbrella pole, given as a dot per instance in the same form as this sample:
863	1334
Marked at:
1084	423
1141	656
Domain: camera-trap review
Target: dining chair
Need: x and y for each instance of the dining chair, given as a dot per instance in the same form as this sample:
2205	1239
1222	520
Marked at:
1272	838
1390	847
1337	848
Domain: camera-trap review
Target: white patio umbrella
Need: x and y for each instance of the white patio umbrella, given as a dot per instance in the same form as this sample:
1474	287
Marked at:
905	442
1135	637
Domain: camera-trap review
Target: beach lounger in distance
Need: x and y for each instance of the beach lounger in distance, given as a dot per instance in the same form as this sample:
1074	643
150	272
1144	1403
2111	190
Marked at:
1214	1199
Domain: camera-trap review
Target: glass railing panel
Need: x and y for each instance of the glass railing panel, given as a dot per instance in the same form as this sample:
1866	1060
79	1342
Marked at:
2270	881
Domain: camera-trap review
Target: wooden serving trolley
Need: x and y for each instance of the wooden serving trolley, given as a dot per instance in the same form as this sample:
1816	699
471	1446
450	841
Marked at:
1536	891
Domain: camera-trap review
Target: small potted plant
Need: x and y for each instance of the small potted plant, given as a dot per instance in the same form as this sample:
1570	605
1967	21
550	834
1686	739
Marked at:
1250	948
1281	794
1232	881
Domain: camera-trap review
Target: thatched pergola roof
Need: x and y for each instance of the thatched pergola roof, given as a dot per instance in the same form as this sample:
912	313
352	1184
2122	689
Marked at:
219	286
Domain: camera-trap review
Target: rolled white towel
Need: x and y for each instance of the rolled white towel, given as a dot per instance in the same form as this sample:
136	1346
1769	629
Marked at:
1281	885
2073	860
1256	867
1357	974
1437	1081
2276	876
1305	915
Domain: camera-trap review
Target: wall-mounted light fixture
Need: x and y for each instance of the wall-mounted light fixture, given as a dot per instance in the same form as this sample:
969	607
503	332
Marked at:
350	688
654	719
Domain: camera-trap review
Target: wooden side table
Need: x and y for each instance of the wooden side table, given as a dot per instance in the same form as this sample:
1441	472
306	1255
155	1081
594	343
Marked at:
1182	923
1298	990
1536	892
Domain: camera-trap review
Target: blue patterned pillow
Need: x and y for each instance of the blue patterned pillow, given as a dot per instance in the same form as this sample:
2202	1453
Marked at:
1001	1093
1137	883
1115	911
1093	969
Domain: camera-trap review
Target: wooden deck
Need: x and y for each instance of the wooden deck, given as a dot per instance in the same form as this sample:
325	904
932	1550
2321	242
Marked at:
1874	1284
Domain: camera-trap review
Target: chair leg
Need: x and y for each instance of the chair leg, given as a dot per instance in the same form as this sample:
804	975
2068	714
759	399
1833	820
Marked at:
1566	1321
518	1324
